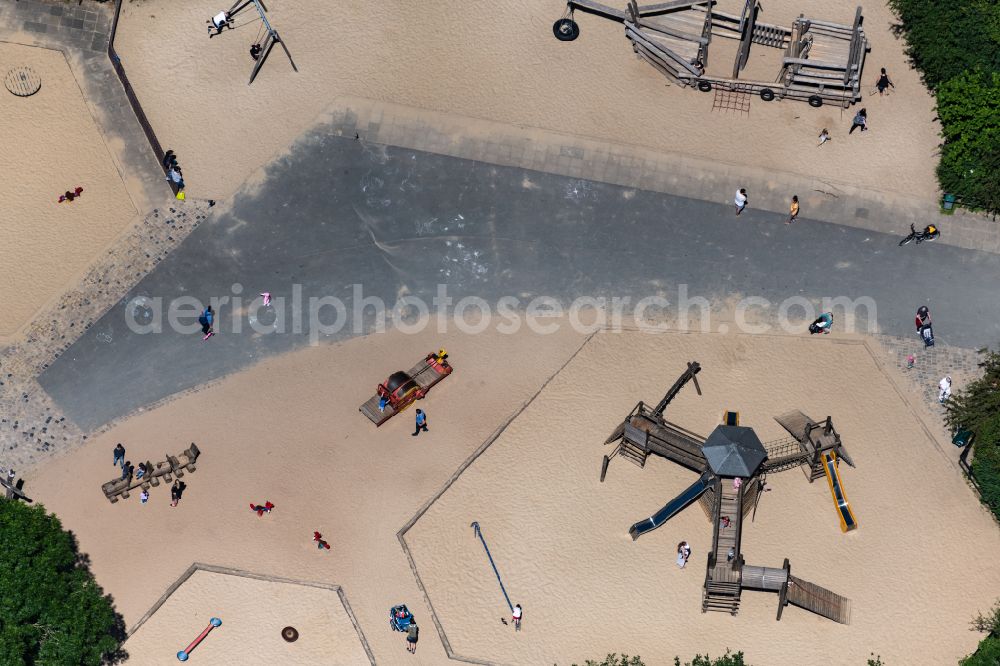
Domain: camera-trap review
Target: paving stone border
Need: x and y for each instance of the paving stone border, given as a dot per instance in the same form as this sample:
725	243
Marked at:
31	426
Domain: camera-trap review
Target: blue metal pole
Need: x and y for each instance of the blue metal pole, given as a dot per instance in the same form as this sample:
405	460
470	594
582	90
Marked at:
479	533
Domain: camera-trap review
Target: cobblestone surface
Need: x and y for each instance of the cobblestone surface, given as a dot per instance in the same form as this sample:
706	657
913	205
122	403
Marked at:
31	426
931	364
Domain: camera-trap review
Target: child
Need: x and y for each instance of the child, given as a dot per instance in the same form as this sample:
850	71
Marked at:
683	553
516	617
320	543
144	496
824	136
175	493
69	196
261	509
860	120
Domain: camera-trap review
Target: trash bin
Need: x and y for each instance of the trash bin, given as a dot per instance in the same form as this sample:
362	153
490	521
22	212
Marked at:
949	202
962	438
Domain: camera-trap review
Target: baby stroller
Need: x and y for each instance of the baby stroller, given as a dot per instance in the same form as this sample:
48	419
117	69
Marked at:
927	335
400	617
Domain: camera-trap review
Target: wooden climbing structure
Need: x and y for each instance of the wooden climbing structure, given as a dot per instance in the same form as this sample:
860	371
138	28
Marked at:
821	61
732	465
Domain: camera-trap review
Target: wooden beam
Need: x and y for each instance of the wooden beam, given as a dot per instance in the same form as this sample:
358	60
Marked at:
747	21
808	62
671	32
597	8
828	24
663	7
659	64
631	29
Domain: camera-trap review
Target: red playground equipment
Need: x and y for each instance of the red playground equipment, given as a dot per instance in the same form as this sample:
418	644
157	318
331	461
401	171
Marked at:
402	389
186	652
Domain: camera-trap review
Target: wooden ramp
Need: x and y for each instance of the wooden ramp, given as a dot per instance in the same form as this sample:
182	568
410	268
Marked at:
797	424
819	600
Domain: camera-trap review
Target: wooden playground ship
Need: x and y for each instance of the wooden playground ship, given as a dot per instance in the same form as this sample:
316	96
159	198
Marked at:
822	61
732	465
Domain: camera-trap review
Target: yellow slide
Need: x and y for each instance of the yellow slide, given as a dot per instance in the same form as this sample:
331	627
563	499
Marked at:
847	520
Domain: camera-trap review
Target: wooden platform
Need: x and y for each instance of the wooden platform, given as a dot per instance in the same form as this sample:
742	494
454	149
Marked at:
424	374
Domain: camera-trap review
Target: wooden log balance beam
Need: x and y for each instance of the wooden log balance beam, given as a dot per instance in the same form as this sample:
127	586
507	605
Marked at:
173	466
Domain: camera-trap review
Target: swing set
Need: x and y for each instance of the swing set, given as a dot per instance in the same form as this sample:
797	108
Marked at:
266	37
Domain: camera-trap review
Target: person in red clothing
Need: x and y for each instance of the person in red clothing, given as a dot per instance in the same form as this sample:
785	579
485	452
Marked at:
923	317
261	509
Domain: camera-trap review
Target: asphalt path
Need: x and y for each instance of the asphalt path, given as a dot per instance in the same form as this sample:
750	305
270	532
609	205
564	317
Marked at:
341	219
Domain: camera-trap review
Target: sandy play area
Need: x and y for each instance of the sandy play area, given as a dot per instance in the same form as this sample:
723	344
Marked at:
51	144
256	612
561	542
499	61
289	431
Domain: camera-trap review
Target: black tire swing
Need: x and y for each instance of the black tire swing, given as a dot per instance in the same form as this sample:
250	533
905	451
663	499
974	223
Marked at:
767	94
565	30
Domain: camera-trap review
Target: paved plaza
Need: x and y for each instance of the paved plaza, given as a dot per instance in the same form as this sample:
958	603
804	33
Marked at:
338	212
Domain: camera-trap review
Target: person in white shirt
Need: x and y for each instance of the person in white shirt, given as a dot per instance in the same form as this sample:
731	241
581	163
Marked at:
944	389
740	200
219	21
516	617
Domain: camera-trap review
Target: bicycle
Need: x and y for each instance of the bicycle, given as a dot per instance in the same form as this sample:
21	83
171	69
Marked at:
929	233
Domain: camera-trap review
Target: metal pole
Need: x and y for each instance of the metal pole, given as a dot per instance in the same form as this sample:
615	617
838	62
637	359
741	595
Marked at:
479	533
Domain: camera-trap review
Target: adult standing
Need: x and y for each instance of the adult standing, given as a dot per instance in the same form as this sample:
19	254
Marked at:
883	83
944	389
127	470
175	493
206	319
119	455
740	200
421	422
412	634
793	210
923	318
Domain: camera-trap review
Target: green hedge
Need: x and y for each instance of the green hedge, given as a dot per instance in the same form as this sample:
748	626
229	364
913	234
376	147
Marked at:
956	47
977	408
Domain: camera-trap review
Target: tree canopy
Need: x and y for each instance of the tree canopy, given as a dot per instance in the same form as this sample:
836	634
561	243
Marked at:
51	609
956	47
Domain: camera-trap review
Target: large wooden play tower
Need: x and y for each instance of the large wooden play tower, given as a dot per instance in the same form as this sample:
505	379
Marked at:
732	465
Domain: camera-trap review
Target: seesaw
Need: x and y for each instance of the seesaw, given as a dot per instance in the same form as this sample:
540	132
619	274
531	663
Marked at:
186	652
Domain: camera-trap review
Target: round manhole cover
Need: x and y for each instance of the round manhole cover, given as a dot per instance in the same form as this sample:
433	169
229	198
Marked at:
22	81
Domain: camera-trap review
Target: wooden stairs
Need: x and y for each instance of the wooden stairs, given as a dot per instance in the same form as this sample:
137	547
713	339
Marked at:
722	579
